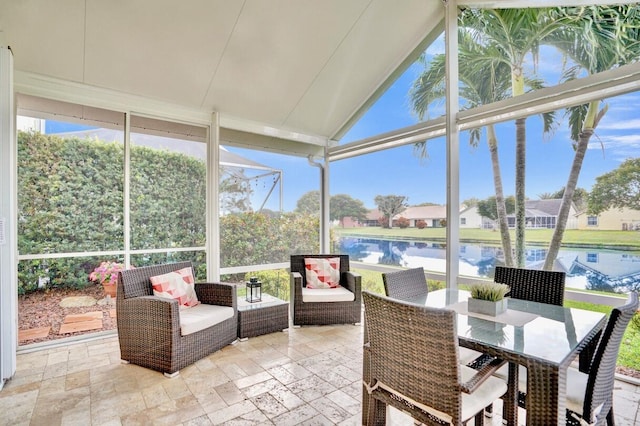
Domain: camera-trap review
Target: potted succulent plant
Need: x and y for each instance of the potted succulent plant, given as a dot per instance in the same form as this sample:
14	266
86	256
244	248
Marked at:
488	298
107	275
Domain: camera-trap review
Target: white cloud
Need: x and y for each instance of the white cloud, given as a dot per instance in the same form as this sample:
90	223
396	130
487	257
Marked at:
620	124
618	147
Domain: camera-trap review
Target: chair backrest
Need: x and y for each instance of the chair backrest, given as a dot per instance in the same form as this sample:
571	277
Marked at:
603	365
297	263
408	284
533	285
135	282
414	351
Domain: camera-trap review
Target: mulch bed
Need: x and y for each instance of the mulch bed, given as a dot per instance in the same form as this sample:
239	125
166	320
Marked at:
42	309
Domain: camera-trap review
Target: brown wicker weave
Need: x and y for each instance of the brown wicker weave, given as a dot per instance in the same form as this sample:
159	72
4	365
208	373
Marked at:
533	285
599	389
411	356
324	313
409	284
149	326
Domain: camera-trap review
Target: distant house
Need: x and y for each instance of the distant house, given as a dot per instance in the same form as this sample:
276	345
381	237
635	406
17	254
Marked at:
470	218
544	214
611	220
431	215
372	219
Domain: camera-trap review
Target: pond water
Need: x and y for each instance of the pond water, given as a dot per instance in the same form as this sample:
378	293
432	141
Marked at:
592	269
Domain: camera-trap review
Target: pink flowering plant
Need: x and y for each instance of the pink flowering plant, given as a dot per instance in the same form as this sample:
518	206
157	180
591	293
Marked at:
106	273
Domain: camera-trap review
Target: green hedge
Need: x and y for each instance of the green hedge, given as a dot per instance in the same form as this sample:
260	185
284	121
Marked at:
71	197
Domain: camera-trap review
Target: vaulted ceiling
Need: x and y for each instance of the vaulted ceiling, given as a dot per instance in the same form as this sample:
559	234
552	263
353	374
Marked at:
306	66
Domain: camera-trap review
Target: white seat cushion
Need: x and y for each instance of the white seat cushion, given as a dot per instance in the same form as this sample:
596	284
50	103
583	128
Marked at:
338	294
202	316
467	355
489	391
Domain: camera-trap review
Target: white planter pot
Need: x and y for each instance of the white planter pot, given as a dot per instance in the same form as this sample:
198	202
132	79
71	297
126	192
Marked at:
487	307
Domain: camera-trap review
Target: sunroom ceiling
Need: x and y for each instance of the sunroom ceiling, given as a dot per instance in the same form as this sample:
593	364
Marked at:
304	66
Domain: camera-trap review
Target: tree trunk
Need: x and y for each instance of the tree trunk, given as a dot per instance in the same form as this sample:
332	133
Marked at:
521	145
567	198
502	210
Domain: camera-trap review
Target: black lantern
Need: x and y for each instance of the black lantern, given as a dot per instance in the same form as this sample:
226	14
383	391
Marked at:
254	290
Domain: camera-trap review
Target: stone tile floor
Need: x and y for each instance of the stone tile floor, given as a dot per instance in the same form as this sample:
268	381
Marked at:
302	376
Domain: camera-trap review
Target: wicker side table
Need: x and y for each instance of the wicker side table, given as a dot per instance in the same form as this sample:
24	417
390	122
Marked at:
267	316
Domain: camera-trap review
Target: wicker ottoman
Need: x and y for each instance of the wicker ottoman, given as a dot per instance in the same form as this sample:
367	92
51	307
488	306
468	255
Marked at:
267	316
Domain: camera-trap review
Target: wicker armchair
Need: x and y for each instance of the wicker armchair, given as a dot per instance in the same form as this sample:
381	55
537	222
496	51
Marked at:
411	363
324	313
149	326
533	285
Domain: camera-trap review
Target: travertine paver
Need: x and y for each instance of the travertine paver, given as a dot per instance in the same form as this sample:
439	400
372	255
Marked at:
309	375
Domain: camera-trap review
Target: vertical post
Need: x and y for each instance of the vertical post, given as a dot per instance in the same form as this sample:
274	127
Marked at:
8	219
213	202
127	189
453	142
325	244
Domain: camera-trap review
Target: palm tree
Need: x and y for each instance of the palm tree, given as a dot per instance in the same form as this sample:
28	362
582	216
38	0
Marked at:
477	88
486	77
596	39
515	33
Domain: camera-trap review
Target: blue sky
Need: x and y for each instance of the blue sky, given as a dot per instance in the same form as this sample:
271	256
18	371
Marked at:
400	172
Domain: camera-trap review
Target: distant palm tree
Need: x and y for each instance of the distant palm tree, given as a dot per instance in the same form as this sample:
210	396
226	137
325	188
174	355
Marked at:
483	80
596	39
486	75
514	34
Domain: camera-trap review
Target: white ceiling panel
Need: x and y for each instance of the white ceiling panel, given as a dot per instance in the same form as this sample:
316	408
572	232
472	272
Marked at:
302	66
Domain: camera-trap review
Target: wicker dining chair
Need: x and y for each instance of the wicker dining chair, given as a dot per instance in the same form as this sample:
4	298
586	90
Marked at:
532	285
535	286
410	285
411	363
590	395
407	284
149	329
321	312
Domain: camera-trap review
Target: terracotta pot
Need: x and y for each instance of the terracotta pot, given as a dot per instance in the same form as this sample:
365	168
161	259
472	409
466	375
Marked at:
109	289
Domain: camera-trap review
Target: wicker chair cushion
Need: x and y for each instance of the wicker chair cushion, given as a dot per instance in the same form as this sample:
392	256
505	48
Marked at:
337	294
203	316
177	285
322	273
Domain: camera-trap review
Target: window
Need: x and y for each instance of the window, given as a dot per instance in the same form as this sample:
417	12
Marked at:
592	257
592	220
463	221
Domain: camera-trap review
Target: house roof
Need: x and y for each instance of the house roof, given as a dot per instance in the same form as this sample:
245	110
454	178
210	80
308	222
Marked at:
307	68
424	212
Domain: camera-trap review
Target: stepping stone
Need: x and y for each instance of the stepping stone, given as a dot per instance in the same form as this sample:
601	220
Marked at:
33	333
80	326
87	316
77	301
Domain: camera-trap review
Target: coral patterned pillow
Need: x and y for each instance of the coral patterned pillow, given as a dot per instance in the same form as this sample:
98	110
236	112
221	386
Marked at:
322	272
177	285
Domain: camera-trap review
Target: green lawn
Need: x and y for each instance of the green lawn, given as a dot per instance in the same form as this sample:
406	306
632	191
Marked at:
629	349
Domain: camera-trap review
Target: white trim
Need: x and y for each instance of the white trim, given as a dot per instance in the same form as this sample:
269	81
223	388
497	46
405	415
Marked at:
212	227
453	145
8	216
616	82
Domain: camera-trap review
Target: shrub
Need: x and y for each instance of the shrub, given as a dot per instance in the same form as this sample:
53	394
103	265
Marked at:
403	222
421	224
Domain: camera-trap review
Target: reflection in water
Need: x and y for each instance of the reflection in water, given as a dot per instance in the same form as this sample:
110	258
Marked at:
592	269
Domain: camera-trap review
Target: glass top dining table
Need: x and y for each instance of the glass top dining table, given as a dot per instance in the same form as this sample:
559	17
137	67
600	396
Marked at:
544	338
